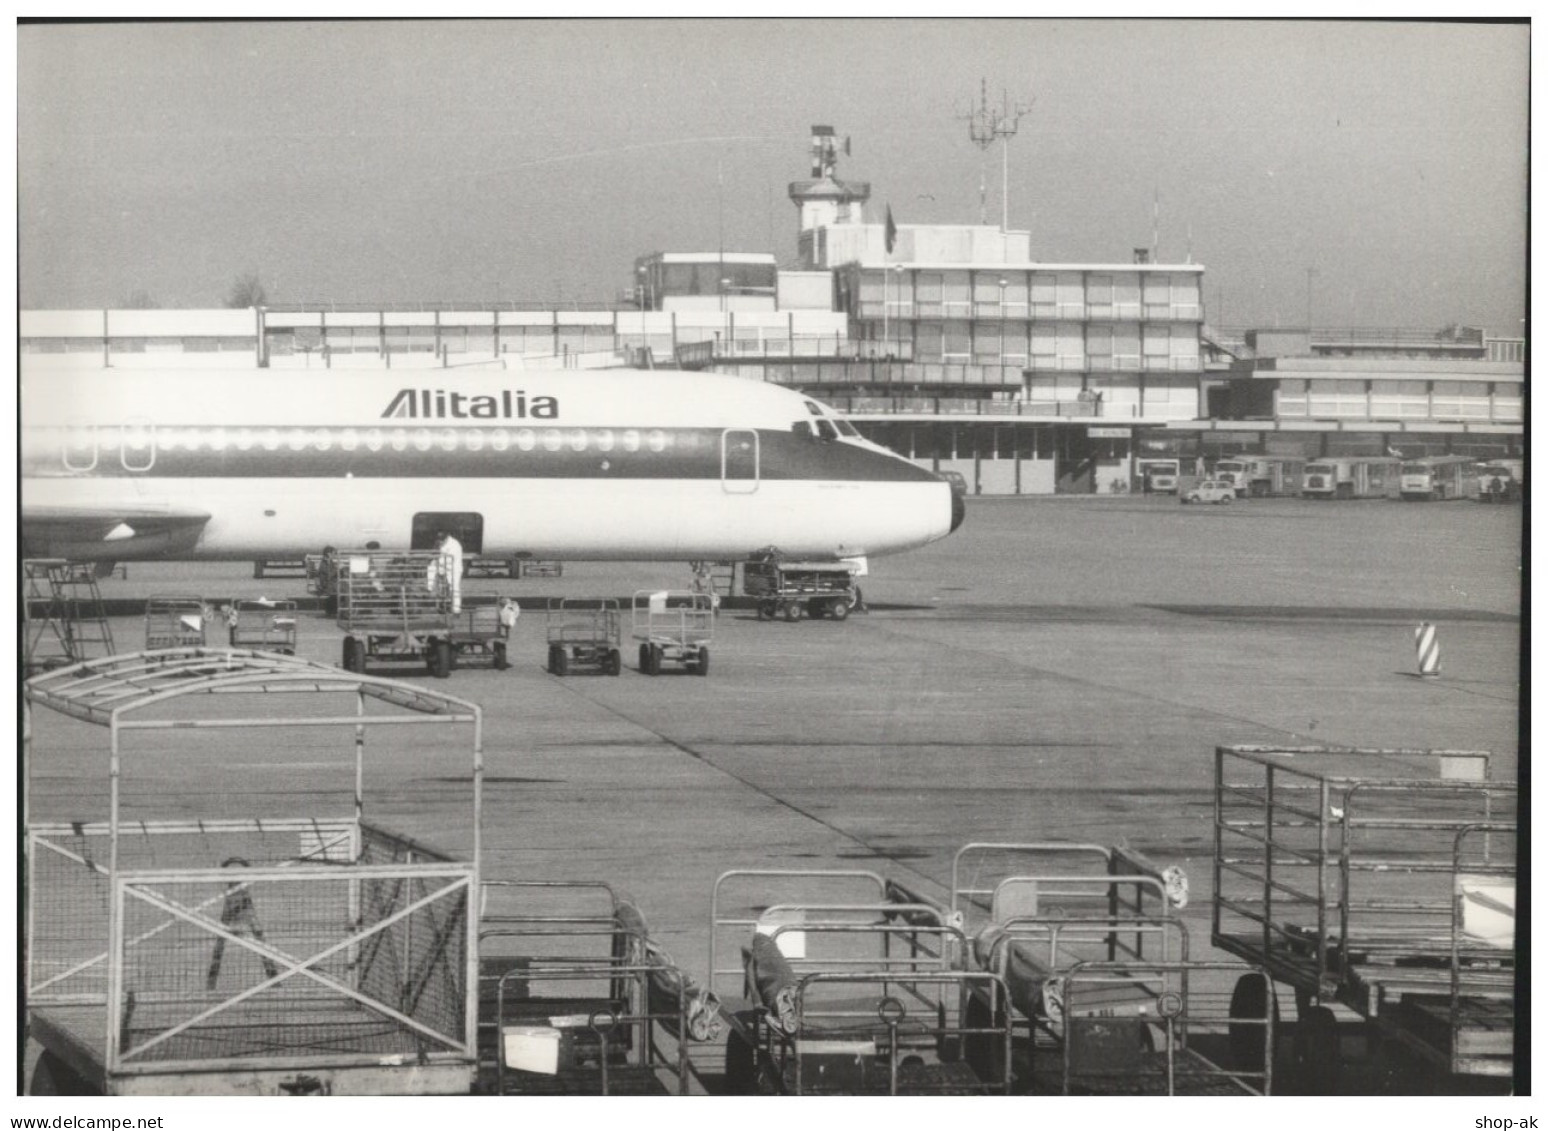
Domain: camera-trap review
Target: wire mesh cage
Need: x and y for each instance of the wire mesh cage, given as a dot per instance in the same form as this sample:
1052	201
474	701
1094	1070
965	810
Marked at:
177	942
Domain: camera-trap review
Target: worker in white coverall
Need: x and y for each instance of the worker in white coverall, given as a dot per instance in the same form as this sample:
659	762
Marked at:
449	567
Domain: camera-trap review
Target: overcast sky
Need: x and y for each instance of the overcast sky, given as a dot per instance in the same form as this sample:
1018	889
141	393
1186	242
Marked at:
475	161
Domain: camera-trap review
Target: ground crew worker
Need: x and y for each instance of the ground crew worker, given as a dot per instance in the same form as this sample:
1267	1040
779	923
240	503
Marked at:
446	569
237	914
451	563
510	612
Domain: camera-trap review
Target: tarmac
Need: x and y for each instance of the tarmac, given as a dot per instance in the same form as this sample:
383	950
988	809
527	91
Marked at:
1058	669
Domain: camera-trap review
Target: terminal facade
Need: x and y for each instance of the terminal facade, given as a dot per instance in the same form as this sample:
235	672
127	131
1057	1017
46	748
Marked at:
950	344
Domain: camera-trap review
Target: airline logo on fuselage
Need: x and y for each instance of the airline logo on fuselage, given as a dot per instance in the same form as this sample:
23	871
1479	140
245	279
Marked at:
438	404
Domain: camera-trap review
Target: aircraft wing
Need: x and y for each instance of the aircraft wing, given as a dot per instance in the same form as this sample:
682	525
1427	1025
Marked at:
87	534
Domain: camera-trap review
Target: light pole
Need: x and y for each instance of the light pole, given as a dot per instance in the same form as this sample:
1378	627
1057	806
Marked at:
1003	284
897	269
886	315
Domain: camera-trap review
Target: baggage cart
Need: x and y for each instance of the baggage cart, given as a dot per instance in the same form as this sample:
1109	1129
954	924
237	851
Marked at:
1104	994
1381	881
584	634
397	607
795	589
673	626
577	999
175	622
264	625
851	989
1180	1045
182	945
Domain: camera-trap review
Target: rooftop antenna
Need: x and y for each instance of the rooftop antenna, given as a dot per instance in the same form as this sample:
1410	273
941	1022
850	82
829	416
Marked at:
985	127
1155	226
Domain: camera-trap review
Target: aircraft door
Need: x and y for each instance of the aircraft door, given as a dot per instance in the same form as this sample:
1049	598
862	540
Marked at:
739	461
465	526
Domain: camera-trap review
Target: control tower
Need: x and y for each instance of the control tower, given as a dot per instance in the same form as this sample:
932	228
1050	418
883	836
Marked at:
825	200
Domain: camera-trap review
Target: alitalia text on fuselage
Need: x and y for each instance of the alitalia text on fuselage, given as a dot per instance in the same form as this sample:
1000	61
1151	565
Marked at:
443	404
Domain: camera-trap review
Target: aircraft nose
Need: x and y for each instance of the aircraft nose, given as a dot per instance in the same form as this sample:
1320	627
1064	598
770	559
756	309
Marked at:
958	509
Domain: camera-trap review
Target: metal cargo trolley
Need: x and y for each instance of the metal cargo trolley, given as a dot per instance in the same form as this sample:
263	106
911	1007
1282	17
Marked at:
852	988
1107	999
398	607
577	999
673	626
268	626
189	944
584	634
1382	881
793	589
175	622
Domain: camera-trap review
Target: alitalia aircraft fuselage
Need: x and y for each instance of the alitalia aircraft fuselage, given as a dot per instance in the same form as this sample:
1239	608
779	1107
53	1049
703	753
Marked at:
570	465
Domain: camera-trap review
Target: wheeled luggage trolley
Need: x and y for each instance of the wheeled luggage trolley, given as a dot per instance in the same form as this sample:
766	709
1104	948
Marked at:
175	622
852	989
268	626
1095	959
397	607
793	589
182	945
673	626
578	1000
584	634
1382	881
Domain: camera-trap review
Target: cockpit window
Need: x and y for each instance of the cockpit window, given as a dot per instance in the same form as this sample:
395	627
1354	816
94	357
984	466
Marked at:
826	430
802	428
812	407
847	429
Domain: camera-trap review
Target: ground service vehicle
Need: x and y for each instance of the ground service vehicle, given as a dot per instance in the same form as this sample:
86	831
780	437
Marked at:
789	589
673	626
1373	477
1158	476
264	625
397	607
1237	472
1496	483
1435	477
175	622
1211	491
1379	880
584	634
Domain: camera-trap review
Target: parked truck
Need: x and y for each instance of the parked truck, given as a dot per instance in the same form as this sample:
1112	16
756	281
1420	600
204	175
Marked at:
1361	477
1260	476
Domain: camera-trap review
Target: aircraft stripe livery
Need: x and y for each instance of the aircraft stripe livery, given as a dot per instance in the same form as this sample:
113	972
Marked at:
568	465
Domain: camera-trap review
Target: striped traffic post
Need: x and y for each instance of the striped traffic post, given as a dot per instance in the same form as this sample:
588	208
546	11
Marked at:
1428	649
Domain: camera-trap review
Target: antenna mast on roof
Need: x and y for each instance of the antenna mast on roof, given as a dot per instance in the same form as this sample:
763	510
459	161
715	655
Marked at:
985	127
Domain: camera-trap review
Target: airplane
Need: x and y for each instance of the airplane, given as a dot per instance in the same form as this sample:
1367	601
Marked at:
568	465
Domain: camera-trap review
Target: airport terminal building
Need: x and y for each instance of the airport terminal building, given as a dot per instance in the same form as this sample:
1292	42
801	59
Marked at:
950	344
